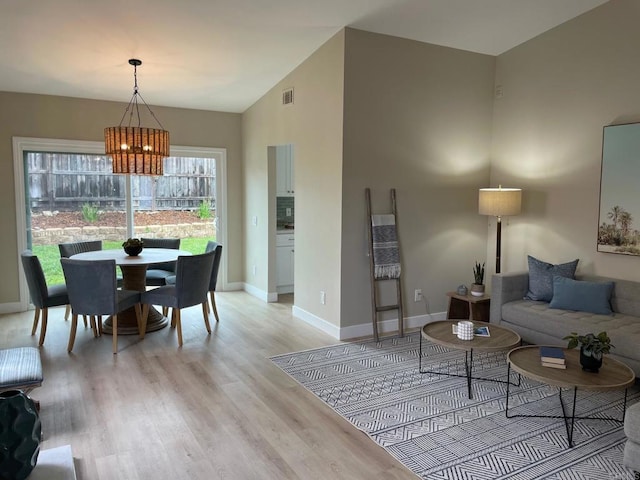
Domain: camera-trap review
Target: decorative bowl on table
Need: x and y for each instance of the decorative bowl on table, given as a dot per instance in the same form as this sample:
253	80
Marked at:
133	246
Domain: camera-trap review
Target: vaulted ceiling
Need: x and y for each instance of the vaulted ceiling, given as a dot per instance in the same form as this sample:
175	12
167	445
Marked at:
225	54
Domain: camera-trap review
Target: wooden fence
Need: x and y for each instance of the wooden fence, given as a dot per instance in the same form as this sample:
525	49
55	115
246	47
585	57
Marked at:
65	182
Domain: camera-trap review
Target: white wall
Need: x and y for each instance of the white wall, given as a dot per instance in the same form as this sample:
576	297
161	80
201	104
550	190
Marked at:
313	125
560	89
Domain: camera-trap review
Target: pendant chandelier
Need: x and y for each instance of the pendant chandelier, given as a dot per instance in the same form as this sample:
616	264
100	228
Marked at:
136	150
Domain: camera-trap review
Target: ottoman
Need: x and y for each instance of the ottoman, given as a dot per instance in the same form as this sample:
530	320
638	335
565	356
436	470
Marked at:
632	431
20	369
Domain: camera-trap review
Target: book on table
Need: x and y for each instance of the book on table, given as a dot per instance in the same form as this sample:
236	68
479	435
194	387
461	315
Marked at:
554	365
552	355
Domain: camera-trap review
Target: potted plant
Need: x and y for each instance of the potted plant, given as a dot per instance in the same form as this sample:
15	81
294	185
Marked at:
477	287
133	246
592	347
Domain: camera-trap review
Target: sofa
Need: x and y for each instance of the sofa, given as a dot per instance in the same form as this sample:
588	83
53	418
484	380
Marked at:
537	323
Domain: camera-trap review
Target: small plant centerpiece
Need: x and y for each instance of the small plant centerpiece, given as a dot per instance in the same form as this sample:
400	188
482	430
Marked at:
592	347
477	288
133	246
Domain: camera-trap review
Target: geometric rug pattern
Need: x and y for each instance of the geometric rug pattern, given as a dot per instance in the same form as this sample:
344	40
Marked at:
430	425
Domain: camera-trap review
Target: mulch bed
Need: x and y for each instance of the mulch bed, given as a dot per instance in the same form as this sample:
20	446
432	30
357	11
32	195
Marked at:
113	219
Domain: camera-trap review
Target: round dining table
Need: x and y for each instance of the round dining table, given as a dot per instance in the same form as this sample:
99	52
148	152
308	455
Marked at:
134	272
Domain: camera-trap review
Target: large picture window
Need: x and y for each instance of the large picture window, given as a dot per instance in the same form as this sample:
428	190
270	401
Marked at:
66	192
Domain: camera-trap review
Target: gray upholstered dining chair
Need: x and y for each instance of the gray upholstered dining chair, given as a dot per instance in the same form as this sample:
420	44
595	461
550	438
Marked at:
42	296
157	275
93	291
193	273
213	280
68	249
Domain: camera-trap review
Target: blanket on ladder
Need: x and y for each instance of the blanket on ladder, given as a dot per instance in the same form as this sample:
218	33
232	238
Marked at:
386	253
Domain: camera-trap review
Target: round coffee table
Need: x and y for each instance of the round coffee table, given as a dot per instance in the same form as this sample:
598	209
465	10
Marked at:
613	375
501	339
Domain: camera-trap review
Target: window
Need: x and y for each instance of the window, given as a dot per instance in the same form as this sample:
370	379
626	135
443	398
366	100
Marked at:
65	191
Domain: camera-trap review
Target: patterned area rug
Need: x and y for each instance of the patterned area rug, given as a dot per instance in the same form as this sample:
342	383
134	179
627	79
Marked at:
429	424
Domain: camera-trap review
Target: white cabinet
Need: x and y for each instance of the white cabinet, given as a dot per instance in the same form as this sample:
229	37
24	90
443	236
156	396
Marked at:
284	262
284	171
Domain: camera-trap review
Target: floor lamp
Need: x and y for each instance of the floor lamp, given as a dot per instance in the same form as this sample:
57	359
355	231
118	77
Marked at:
499	202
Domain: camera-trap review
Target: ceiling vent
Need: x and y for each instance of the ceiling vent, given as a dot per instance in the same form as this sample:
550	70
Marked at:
287	96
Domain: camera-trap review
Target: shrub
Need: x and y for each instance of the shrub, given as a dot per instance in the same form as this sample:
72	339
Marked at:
89	212
204	210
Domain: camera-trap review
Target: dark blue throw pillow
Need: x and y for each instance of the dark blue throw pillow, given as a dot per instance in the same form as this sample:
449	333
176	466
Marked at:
541	277
592	297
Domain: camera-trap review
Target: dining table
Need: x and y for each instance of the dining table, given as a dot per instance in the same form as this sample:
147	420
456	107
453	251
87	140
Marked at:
134	270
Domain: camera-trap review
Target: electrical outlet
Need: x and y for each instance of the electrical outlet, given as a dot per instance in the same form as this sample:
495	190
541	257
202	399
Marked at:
417	295
254	221
254	269
323	298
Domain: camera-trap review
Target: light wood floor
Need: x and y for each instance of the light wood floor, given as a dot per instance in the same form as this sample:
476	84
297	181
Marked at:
215	409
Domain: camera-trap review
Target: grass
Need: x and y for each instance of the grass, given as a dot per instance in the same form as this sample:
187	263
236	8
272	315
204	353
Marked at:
49	255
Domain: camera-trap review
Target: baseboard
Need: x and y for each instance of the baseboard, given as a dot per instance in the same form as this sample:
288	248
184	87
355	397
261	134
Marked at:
316	322
261	294
389	326
233	287
12	307
364	329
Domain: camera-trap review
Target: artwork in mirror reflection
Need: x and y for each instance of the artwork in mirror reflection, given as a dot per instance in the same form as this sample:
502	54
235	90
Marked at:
619	218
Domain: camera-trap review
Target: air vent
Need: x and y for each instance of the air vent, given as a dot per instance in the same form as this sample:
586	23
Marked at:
287	96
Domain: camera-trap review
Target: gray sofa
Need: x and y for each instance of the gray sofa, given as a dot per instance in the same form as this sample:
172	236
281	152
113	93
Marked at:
538	324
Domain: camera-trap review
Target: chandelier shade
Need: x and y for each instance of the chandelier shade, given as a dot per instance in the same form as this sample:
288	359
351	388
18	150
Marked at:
136	150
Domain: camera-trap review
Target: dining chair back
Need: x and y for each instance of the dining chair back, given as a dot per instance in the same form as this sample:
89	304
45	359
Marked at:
193	274
42	296
213	246
93	291
72	248
157	275
213	280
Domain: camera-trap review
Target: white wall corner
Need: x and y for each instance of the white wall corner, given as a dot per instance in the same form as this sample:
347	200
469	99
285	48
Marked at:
261	294
11	307
317	322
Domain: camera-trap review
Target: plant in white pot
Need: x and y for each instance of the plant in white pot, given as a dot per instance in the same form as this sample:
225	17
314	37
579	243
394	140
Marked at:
477	287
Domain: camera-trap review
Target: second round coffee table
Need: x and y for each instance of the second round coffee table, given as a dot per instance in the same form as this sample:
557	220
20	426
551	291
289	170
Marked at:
501	339
613	375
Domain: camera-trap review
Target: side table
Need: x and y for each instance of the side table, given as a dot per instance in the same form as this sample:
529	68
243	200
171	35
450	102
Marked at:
468	306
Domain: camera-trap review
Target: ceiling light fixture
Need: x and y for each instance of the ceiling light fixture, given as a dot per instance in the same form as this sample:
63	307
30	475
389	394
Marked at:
136	150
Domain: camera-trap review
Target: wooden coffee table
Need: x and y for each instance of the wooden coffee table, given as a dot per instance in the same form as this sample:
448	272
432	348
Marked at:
502	339
613	375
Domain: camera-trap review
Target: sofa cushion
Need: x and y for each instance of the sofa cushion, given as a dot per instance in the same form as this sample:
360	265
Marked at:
624	330
541	277
579	295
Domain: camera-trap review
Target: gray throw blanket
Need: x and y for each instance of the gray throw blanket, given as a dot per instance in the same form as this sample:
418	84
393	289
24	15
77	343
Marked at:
386	255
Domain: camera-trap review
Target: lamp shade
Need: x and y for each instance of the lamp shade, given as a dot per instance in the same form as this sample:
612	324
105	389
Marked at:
136	150
499	202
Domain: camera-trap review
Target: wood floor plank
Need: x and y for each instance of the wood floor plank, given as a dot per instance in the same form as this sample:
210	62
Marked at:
217	408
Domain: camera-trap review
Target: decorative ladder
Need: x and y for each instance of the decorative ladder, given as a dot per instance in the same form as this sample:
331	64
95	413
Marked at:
375	306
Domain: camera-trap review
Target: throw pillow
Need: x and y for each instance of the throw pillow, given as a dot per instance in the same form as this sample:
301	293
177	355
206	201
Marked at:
541	277
593	297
